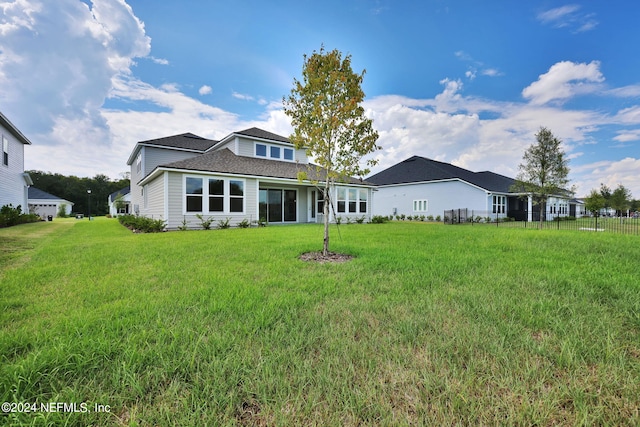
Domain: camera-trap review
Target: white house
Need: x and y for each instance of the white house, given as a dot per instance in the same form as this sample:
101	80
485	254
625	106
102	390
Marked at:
45	204
14	182
120	202
249	175
421	186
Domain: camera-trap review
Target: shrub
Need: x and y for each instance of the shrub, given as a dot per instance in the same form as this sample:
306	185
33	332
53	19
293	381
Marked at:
205	223
184	225
360	219
224	223
339	220
244	223
142	224
430	218
62	210
422	217
10	216
378	219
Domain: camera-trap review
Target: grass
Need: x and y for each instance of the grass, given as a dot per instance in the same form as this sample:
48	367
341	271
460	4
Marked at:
428	325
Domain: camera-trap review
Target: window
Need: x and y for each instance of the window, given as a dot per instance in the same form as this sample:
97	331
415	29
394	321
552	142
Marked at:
420	205
139	163
363	201
236	196
194	194
261	150
5	151
216	195
288	154
274	152
342	199
499	204
353	202
277	205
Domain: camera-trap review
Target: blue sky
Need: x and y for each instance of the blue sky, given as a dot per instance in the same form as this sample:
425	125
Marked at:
464	82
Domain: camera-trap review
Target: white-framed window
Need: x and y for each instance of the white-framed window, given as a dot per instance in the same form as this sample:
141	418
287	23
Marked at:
421	205
213	195
351	200
499	204
5	151
139	163
276	152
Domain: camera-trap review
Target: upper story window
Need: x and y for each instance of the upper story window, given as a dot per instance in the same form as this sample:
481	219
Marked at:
275	152
139	163
5	151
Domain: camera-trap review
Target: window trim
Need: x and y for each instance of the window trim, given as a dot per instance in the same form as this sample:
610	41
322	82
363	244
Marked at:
421	205
269	149
226	196
5	151
499	204
347	203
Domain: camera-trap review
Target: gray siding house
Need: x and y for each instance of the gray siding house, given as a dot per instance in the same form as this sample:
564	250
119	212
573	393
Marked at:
14	182
248	175
421	186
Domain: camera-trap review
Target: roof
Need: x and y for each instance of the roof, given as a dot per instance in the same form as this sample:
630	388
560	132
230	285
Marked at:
123	191
263	134
225	161
37	194
184	141
4	121
420	169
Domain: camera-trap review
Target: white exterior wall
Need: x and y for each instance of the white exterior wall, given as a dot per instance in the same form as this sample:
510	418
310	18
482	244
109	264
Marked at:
46	207
441	196
13	188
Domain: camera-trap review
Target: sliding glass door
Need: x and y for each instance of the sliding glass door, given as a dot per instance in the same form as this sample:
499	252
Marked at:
278	205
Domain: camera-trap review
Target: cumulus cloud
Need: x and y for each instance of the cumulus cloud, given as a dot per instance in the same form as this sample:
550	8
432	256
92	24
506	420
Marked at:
205	90
564	80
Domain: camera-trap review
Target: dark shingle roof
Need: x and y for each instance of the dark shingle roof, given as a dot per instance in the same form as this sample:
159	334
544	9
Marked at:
421	169
38	194
124	191
186	141
224	161
263	134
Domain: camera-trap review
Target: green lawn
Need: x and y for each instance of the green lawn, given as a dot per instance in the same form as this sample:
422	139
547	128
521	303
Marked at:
428	325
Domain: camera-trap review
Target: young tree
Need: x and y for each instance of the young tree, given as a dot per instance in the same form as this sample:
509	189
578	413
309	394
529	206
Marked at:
620	199
594	202
330	123
544	170
605	192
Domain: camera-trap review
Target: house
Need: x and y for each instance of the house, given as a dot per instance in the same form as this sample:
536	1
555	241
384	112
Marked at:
120	202
45	204
421	186
249	175
14	182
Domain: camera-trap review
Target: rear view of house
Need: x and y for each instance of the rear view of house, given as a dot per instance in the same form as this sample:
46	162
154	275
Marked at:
14	182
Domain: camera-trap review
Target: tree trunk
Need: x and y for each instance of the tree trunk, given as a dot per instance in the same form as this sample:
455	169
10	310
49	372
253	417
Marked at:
325	211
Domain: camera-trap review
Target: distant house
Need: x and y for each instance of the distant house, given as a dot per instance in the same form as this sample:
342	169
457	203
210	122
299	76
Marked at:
45	204
120	202
421	186
249	175
14	182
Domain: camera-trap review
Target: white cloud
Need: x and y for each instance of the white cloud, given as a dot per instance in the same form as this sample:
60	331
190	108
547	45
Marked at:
569	16
564	80
558	15
205	90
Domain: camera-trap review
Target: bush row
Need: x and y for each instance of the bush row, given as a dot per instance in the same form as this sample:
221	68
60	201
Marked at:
10	216
142	224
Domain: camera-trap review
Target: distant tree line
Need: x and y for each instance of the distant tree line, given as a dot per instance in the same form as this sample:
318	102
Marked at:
619	200
74	189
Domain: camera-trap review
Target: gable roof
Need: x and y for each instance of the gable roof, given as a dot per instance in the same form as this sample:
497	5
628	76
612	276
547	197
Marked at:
420	169
123	191
4	121
225	161
37	194
184	142
263	134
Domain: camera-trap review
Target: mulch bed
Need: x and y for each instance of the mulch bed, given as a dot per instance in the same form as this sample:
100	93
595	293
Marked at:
330	257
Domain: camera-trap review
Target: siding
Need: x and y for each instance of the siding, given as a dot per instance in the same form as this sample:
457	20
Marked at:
440	196
155	199
13	188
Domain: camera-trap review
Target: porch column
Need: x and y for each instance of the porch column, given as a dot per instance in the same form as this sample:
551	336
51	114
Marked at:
529	208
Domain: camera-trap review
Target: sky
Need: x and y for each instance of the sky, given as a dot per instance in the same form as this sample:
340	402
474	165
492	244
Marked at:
459	81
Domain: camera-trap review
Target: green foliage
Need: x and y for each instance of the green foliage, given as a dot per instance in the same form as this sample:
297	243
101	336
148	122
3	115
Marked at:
62	210
141	224
329	121
224	223
244	223
379	219
205	223
621	199
544	170
360	219
184	225
10	216
594	202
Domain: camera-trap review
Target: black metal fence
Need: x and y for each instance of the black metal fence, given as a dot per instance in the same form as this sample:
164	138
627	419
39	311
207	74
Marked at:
622	225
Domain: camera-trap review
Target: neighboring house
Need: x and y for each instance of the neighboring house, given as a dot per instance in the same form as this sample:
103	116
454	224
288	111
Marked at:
421	186
45	204
120	202
248	175
14	182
